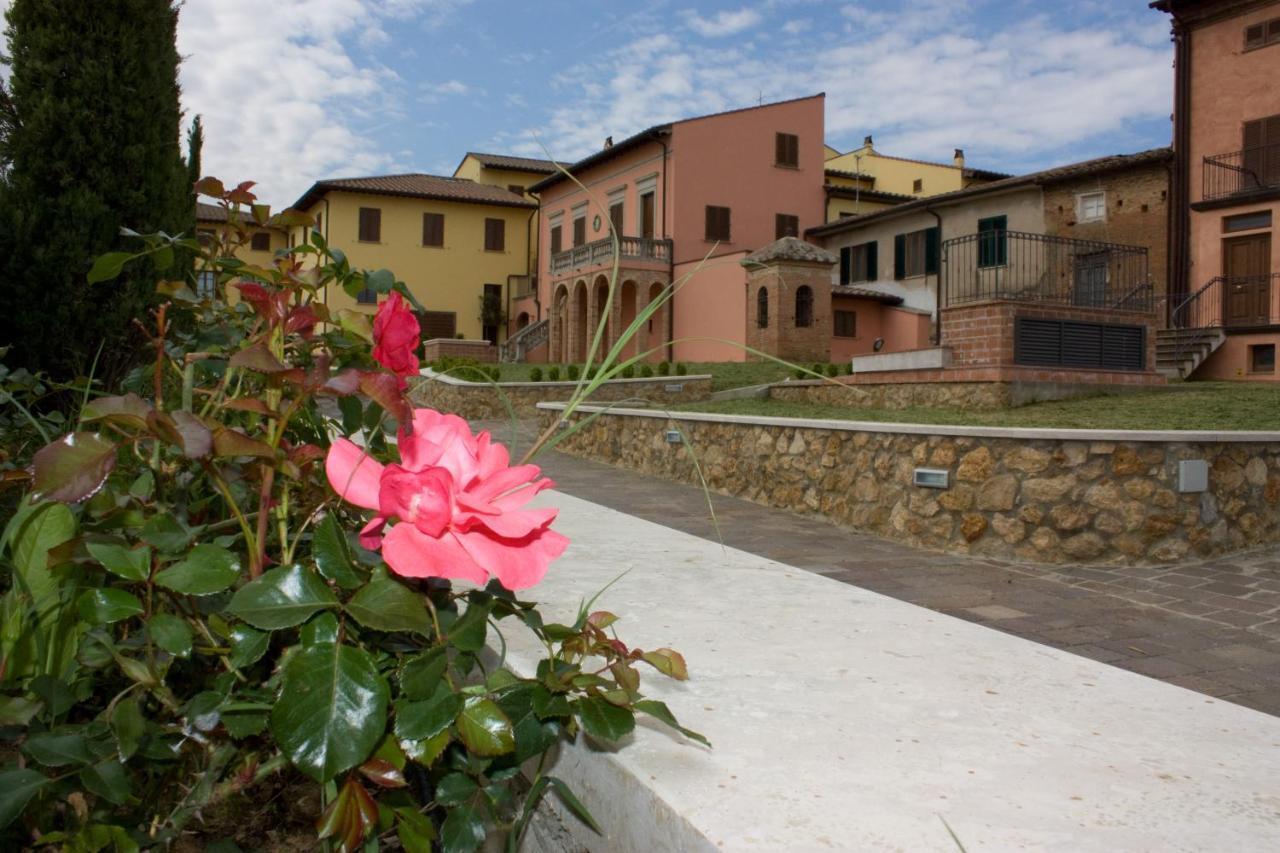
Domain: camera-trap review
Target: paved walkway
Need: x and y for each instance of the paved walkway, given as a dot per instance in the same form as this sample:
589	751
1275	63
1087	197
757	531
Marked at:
1213	627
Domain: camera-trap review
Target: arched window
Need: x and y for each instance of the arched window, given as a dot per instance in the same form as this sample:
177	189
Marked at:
804	306
762	308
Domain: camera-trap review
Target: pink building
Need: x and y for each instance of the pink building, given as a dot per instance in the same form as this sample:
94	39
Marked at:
688	201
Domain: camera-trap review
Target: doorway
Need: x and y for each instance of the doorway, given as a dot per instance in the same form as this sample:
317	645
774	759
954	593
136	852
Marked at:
1246	269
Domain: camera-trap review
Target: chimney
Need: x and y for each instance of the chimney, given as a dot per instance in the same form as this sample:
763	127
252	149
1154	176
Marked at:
866	141
959	158
608	142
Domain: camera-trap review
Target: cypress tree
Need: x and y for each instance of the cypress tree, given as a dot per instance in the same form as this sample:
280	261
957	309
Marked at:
95	146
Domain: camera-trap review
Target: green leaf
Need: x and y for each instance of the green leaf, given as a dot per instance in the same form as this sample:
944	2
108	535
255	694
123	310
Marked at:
106	605
659	710
166	533
243	724
18	710
415	830
108	266
575	805
467	633
548	704
206	570
454	789
73	467
109	780
321	628
130	563
129	410
248	645
463	830
331	713
333	556
484	729
420	720
58	749
281	598
128	726
171	633
385	604
603	720
17	787
426	751
420	675
380	280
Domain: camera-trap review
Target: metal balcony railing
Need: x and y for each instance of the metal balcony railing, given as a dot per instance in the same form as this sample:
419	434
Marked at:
1024	267
1228	302
1244	172
601	252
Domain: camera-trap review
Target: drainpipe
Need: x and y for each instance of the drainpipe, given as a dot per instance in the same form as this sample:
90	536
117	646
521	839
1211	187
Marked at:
937	340
671	262
1179	260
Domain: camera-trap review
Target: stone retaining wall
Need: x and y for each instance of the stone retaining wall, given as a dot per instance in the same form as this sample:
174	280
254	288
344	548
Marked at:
484	401
458	348
1001	391
1035	495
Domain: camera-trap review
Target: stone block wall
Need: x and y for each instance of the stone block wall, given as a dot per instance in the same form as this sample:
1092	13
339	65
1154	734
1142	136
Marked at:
1012	494
781	337
481	401
457	348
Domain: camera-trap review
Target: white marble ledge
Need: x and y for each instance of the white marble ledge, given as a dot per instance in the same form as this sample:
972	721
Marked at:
846	720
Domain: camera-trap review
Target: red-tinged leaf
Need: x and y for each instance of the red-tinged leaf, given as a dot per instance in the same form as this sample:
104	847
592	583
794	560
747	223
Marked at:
183	430
625	675
129	410
601	619
305	453
211	187
74	467
257	358
294	376
383	773
261	213
384	389
349	817
301	320
241	194
344	384
251	404
668	662
292	218
13	478
232	442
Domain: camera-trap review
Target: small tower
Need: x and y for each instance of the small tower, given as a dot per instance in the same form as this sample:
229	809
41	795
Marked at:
789	300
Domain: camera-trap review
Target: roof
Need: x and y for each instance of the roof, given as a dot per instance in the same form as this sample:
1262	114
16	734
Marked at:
417	186
514	164
857	176
649	134
790	249
985	174
1096	166
837	191
217	213
865	293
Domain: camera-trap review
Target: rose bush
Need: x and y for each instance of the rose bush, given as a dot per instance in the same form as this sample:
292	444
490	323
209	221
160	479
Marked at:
195	613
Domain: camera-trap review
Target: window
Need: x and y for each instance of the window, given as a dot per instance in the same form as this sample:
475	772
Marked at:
491	312
1091	207
433	229
646	216
1262	358
1261	35
717	223
557	240
207	284
918	185
320	222
785	225
786	150
516	188
762	308
993	241
1091	279
615	218
1261	156
859	263
804	306
915	254
367	296
580	230
846	324
495	235
261	241
370	224
206	236
1247	221
438	324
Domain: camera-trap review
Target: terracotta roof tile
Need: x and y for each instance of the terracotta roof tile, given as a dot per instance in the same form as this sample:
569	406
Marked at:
865	293
515	164
418	186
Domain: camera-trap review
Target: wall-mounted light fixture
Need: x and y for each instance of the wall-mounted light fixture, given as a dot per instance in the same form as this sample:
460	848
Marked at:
674	437
931	478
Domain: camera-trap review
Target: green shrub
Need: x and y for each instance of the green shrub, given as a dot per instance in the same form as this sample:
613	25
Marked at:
682	370
646	370
832	370
664	368
574	372
629	371
799	373
494	371
553	374
535	374
592	372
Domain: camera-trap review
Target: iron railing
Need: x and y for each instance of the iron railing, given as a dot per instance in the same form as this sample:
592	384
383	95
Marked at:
1024	267
1229	302
1242	172
601	252
532	336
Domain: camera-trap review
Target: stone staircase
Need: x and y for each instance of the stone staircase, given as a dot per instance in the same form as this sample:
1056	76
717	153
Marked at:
517	347
1180	351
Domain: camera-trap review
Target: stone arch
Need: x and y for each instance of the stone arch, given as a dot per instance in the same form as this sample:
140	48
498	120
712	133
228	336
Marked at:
629	306
559	344
656	328
762	308
522	320
599	299
579	334
804	306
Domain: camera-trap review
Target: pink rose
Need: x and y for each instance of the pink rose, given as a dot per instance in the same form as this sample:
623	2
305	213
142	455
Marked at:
457	504
396	335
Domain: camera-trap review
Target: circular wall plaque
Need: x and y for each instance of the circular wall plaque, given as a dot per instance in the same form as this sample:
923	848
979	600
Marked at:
595	223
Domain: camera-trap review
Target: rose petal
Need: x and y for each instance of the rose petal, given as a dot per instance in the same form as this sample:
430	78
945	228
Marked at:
413	554
517	563
353	474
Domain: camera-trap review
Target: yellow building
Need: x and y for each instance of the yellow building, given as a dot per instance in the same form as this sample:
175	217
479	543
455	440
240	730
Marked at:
211	221
864	180
460	244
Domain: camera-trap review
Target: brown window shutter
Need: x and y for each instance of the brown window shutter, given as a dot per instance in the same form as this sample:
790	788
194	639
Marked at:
615	217
646	215
579	231
794	150
260	242
1254	134
1255	36
557	241
433	229
710	230
780	148
370	224
494	235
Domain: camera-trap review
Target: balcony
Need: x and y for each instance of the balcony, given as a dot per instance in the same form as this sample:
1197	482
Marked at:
523	286
1021	267
1242	175
600	253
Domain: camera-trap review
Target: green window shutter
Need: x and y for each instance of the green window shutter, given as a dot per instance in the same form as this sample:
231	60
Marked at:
846	258
873	262
900	256
932	239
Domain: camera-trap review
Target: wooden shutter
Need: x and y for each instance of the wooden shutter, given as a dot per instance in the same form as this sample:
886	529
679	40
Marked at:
873	261
495	235
433	229
370	224
579	231
557	240
615	217
260	242
900	256
932	241
717	224
785	225
646	215
1255	36
846	264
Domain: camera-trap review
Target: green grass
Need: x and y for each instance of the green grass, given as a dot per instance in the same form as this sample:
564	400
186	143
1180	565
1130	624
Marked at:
726	374
1190	406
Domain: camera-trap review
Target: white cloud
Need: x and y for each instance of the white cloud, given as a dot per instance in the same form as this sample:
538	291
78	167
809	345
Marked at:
723	23
796	27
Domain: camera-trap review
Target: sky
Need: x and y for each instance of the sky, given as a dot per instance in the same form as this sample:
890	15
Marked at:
293	91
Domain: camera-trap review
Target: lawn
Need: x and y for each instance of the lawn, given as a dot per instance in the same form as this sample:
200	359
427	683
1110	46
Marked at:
1190	405
729	374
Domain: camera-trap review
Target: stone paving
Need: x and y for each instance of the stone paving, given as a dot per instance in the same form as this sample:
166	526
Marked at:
1213	627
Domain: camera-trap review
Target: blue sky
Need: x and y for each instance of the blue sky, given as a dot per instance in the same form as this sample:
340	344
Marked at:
297	90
